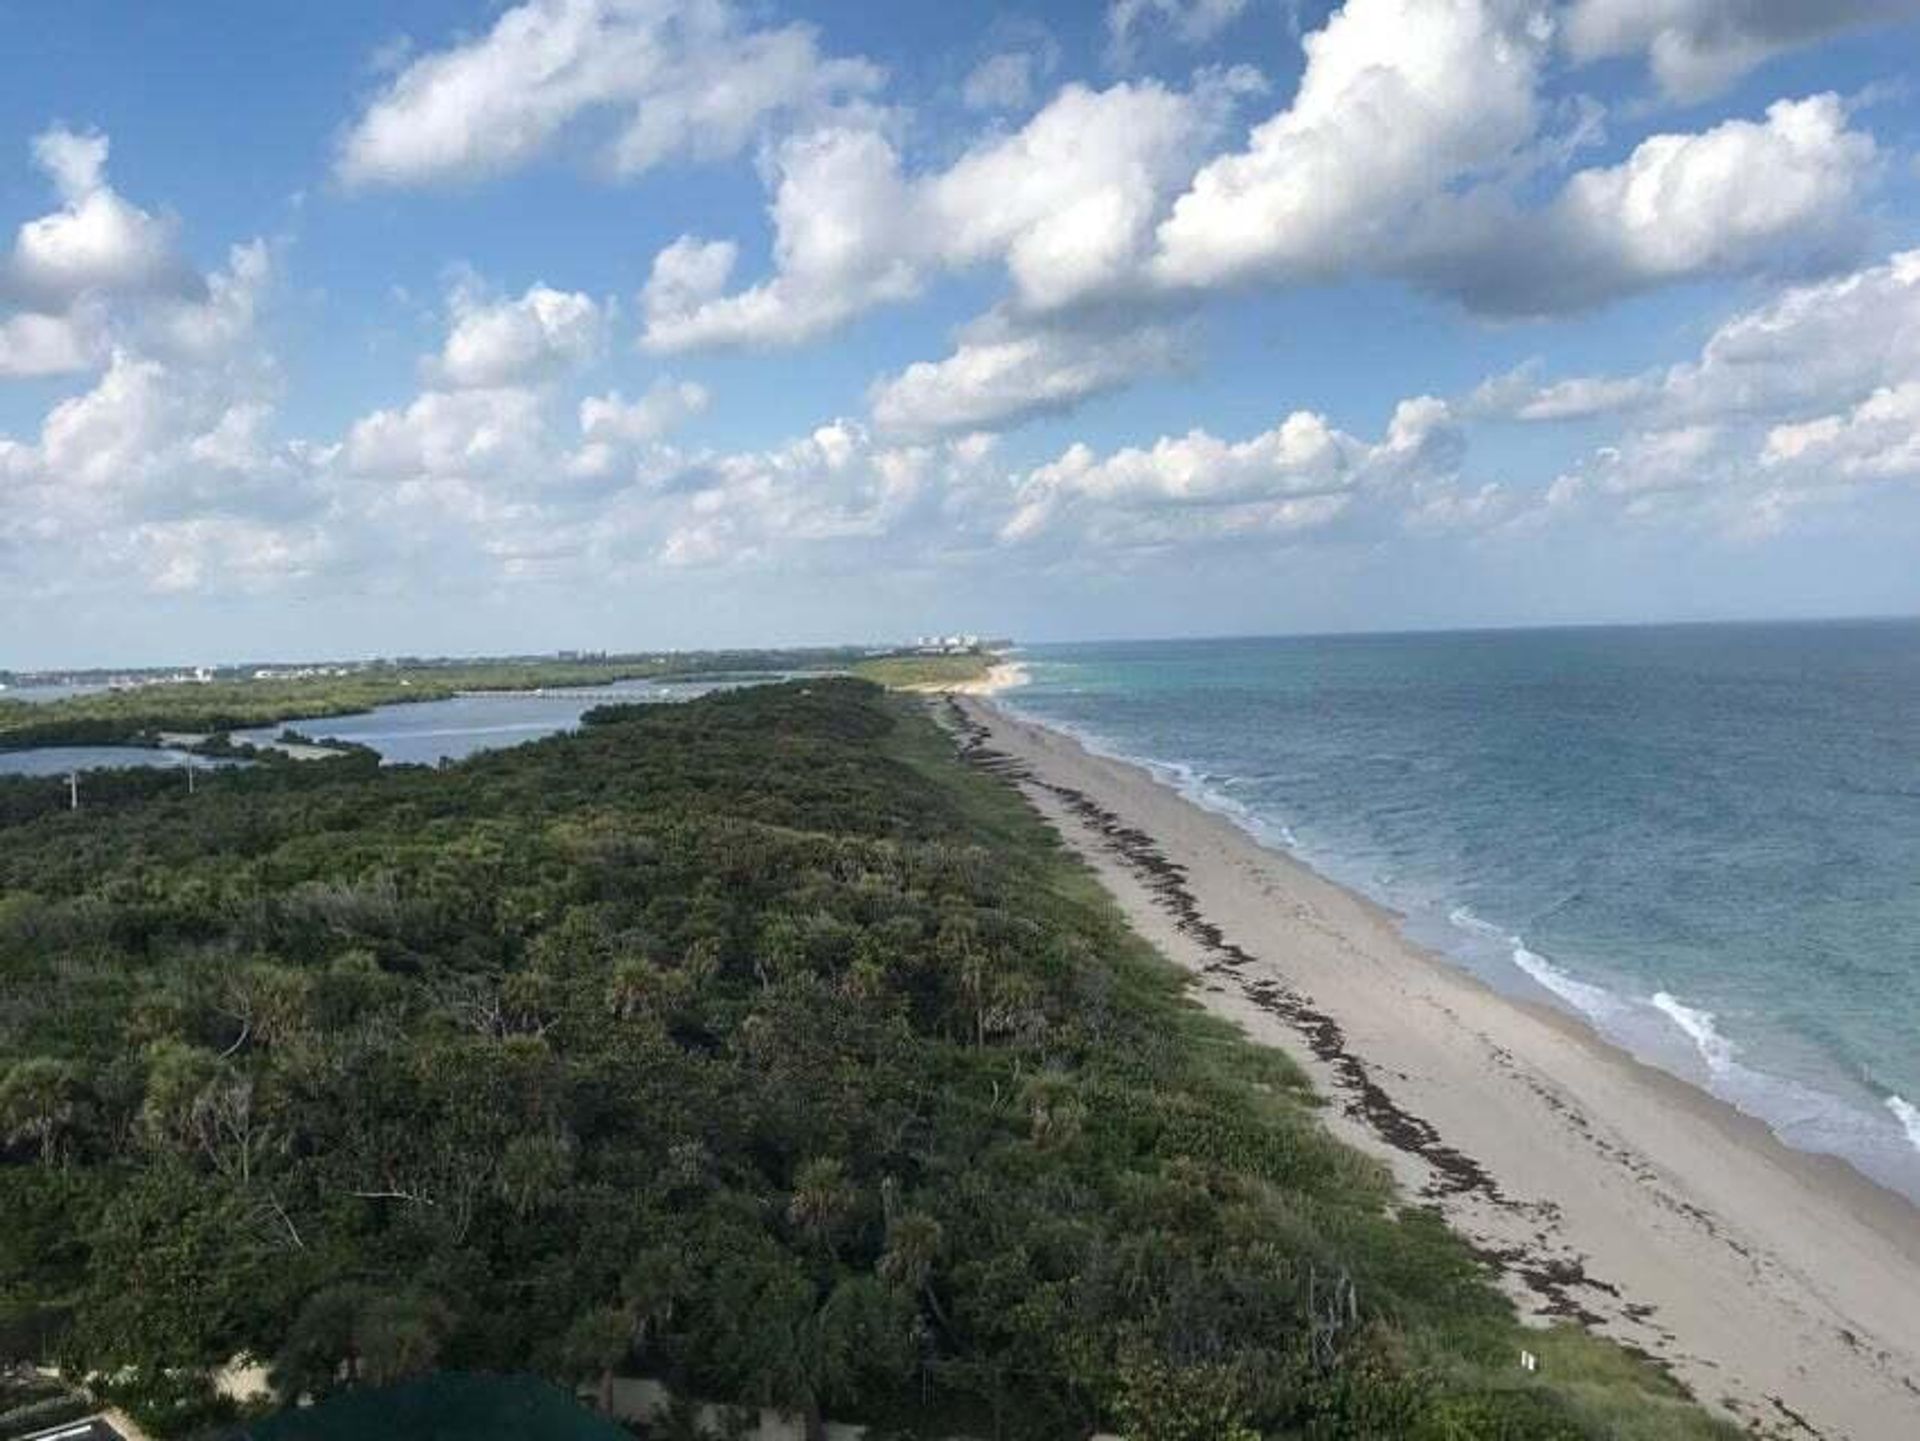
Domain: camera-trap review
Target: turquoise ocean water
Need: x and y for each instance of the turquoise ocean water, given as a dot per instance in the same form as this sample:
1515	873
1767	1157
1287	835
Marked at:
1702	840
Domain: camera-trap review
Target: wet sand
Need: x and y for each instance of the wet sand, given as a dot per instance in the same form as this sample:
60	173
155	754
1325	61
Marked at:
1779	1286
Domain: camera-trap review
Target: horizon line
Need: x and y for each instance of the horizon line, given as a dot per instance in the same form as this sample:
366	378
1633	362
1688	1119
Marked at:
1017	643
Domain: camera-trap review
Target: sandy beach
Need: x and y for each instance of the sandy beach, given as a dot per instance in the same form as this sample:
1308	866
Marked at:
1001	675
1780	1286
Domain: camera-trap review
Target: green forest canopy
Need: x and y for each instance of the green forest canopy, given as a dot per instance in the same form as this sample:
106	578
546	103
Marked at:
755	1044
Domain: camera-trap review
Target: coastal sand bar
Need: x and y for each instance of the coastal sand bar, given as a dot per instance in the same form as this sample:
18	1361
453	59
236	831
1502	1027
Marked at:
1781	1286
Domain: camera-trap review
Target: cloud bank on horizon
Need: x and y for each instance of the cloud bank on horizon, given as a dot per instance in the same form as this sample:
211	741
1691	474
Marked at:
1171	305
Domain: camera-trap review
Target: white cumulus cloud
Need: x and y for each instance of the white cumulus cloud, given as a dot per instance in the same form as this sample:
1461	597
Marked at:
1191	22
1399	98
1878	439
689	79
165	472
496	343
1695	47
999	375
663	408
1520	395
1004	81
1300	475
461	433
1812	393
1777	196
35	344
844	242
1066	203
97	242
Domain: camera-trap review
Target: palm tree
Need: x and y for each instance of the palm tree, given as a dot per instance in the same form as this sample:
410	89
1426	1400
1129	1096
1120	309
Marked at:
653	1287
40	1101
355	1333
915	1244
632	987
595	1345
811	1353
399	1336
822	1199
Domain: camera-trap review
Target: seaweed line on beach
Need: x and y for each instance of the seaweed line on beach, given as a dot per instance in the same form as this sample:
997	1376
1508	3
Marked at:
1558	1281
1555	1280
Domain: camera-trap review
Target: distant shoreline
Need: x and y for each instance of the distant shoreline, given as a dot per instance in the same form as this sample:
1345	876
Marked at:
1777	1283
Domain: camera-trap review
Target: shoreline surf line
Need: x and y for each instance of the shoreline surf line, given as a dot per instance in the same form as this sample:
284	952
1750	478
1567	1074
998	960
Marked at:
1552	1279
1653	1025
1775	1283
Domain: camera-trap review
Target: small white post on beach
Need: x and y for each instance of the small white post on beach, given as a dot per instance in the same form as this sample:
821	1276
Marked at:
73	790
1529	1361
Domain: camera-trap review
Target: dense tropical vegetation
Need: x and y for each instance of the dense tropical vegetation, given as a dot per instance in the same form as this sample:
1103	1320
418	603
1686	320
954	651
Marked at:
753	1044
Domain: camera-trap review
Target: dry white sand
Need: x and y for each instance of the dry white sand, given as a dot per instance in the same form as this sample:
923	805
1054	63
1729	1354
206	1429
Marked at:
1001	675
1780	1286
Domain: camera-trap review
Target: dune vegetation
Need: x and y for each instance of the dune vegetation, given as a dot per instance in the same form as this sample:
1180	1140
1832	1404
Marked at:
926	672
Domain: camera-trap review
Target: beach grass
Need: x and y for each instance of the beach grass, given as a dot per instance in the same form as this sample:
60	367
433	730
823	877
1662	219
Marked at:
926	672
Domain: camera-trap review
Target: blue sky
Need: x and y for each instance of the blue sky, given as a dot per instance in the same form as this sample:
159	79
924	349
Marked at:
362	329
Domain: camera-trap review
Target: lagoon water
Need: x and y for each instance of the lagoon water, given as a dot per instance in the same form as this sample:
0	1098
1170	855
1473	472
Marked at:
46	694
447	730
64	760
1703	840
426	733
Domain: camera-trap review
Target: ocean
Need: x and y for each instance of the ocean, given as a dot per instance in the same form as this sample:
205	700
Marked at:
1702	840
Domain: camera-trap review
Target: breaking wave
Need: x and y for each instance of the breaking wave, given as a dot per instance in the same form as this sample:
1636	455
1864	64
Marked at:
1715	1049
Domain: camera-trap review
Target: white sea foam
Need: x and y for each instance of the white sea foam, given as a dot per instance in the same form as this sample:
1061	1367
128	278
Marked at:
1177	776
1206	791
1715	1049
1595	1002
1908	1115
1210	793
1009	675
1817	1117
1466	920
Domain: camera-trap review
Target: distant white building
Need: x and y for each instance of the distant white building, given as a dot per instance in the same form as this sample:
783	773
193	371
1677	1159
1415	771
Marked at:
945	644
